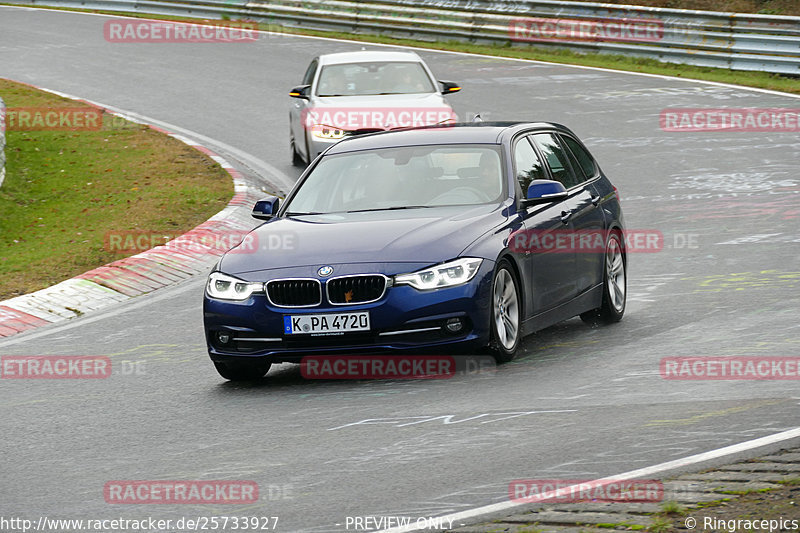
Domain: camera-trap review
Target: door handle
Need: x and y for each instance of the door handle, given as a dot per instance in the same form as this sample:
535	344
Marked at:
565	216
596	200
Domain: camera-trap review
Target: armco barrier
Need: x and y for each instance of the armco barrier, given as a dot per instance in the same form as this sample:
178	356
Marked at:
2	141
729	40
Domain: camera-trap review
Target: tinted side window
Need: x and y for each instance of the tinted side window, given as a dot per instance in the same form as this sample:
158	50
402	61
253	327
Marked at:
526	164
585	160
308	77
576	167
556	159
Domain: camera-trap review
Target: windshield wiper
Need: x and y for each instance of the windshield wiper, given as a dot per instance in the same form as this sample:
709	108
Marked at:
389	208
300	214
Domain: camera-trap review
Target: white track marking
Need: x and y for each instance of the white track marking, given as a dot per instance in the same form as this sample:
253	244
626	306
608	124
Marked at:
640	473
165	293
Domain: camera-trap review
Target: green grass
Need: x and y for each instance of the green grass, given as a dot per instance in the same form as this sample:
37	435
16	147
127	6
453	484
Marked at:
672	507
616	525
743	492
64	190
660	525
715	503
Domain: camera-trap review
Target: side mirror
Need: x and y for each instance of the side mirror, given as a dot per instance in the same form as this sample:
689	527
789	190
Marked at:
266	208
449	87
301	91
544	191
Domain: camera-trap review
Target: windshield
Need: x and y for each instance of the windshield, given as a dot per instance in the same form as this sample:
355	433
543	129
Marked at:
401	178
357	79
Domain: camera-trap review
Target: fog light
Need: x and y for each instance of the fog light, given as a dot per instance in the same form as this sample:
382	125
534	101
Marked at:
223	337
454	325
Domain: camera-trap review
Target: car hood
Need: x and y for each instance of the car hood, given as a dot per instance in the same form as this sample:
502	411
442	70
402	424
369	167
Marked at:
423	236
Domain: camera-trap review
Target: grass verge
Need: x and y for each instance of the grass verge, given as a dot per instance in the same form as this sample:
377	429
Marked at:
65	190
777	505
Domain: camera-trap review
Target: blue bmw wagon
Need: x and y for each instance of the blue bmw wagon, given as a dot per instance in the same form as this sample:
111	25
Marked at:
442	239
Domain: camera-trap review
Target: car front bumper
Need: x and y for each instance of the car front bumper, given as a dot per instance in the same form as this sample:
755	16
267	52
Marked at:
404	320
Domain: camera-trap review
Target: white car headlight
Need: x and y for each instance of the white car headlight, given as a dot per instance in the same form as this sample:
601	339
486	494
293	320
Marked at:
321	131
224	287
447	274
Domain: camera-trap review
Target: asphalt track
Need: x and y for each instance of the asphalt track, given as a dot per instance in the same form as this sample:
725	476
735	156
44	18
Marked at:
579	403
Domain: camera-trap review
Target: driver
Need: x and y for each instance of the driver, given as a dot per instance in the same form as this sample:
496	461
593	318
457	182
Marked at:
332	82
488	181
404	82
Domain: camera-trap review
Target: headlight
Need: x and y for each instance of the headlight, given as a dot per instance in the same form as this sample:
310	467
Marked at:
224	287
321	131
447	274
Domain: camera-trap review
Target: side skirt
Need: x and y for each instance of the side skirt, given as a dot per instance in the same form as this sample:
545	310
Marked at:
591	299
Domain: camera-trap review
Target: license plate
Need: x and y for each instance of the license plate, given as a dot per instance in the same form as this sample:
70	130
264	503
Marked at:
327	323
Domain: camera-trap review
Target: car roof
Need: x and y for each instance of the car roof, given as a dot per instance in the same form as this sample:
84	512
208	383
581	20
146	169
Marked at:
367	56
461	133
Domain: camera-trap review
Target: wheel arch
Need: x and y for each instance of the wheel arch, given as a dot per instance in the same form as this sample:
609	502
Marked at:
617	228
522	292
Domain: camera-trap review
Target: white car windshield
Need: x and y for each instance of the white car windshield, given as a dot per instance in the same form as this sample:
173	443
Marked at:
359	79
401	178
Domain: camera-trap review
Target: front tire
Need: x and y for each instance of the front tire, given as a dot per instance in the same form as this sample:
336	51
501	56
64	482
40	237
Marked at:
297	159
506	317
239	371
615	285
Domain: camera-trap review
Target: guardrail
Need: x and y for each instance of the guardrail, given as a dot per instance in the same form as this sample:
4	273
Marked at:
2	141
730	40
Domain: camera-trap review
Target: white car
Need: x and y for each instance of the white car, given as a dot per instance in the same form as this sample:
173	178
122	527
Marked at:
362	92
